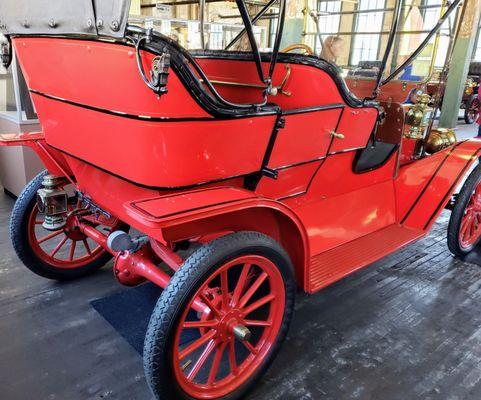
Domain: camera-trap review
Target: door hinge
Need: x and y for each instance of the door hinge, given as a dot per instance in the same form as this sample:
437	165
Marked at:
270	173
281	123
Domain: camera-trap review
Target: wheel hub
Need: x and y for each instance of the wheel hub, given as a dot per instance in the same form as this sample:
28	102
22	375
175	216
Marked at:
230	325
72	230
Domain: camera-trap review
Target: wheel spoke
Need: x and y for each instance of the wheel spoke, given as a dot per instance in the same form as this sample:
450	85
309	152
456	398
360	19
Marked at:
232	357
471	228
249	347
50	236
251	322
38	222
72	250
465	225
59	246
215	364
201	361
224	287
259	303
196	344
240	284
209	304
259	281
87	247
200	324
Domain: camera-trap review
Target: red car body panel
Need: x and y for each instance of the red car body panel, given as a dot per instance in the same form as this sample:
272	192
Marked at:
160	153
357	126
322	89
94	73
305	138
173	171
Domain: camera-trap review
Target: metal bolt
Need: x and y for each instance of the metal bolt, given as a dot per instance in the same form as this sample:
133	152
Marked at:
25	24
90	23
114	25
242	333
52	23
100	24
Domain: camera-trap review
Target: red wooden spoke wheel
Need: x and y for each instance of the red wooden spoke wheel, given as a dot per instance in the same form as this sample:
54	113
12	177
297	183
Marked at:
464	230
66	248
234	293
245	282
473	108
60	255
470	231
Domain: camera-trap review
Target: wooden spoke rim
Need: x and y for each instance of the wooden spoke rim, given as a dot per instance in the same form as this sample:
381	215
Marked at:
470	229
245	295
66	248
474	109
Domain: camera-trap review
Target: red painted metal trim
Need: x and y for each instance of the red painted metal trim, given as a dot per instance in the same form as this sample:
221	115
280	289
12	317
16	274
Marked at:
48	156
216	210
96	236
172	259
137	264
443	184
20	139
125	115
451	190
426	186
168	206
36	141
333	265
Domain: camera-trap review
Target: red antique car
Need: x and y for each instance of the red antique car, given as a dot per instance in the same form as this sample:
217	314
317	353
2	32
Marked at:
264	165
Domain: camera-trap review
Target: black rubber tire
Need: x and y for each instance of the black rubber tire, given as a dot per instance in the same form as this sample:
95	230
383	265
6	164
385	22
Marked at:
19	237
467	119
457	214
186	281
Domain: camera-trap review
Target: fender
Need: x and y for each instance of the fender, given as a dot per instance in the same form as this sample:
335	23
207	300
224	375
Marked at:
442	185
225	209
36	141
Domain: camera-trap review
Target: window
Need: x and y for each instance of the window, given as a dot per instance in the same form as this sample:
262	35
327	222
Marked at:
328	24
216	37
273	22
431	16
431	13
366	45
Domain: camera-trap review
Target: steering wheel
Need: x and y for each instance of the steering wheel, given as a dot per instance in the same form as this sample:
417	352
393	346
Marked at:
307	49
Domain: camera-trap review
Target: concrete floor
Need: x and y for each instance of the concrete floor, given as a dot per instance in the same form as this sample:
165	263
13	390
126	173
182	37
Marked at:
407	327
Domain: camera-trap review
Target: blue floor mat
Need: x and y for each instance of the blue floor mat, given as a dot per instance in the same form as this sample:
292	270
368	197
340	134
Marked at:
129	313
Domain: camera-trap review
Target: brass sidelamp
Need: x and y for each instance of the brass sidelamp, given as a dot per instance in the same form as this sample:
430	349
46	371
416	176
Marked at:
418	117
52	200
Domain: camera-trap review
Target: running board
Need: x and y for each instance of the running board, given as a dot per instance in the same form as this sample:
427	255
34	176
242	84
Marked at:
335	264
